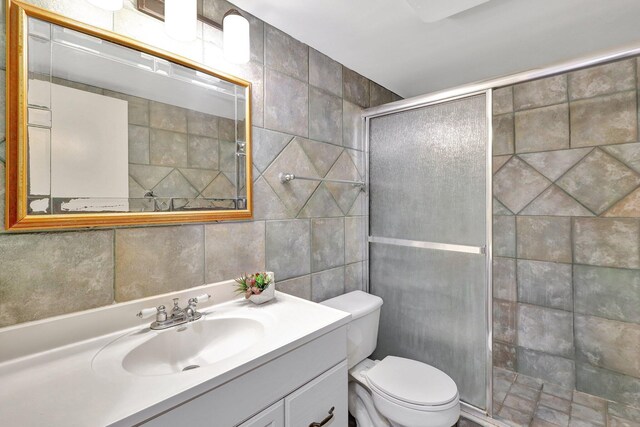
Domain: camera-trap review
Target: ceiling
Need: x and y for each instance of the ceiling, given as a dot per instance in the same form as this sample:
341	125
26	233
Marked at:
391	42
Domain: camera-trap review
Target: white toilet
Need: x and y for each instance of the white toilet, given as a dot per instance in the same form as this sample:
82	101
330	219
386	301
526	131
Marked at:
395	391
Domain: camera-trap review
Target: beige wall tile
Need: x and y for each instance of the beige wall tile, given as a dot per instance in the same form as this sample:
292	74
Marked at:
156	260
542	129
609	344
544	238
538	93
44	275
545	329
503	100
611	119
503	134
504	279
299	287
233	249
608	78
607	242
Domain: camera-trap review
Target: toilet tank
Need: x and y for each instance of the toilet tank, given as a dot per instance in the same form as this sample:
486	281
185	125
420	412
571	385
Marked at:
362	332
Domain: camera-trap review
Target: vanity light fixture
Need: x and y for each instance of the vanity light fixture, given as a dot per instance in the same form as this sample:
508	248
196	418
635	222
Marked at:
235	37
181	18
111	5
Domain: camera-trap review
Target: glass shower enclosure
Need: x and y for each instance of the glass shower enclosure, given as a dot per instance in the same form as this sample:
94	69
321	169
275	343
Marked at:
430	236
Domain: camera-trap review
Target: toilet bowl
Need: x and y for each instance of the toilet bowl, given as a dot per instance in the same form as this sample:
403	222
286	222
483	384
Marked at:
395	391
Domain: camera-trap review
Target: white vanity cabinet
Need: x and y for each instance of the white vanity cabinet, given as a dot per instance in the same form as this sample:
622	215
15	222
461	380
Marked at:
293	390
322	400
270	417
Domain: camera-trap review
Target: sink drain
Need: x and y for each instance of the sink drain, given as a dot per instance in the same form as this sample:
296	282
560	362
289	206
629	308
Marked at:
190	367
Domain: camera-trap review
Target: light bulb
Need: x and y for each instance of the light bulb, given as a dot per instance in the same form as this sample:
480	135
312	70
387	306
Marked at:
235	38
181	19
111	5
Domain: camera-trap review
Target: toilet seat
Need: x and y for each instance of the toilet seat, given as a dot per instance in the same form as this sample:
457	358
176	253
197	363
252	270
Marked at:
422	408
412	384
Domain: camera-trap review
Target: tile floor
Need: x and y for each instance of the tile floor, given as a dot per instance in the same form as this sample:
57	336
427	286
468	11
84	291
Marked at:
520	400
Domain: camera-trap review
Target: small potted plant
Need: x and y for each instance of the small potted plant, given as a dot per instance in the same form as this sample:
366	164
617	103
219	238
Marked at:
258	287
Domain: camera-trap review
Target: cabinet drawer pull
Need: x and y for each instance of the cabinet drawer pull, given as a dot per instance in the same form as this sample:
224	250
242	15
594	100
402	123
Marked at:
326	420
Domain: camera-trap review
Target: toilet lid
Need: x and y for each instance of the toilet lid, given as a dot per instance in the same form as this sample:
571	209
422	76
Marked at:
412	381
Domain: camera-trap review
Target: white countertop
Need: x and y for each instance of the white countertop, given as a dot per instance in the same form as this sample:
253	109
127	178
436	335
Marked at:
60	387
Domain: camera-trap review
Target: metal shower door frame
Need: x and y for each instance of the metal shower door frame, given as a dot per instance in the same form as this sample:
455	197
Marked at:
402	106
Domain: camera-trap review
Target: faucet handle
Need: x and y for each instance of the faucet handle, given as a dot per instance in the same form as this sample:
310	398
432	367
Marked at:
148	312
202	298
195	300
162	314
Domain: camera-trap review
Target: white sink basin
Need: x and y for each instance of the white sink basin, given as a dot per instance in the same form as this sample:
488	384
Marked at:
180	348
193	345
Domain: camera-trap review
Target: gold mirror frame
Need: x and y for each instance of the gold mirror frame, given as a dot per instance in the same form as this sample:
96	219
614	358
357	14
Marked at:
16	216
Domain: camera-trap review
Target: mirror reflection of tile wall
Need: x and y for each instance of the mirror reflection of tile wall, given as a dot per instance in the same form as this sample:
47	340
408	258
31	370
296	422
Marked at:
174	152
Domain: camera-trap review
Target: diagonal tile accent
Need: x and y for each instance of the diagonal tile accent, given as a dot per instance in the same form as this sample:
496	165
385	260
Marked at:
294	160
320	205
231	175
359	206
199	178
135	190
175	185
220	188
357	157
148	176
629	154
266	203
627	207
321	154
499	161
500	209
516	184
554	201
266	145
598	181
344	194
553	164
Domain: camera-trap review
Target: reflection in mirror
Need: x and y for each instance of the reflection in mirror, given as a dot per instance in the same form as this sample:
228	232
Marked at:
113	129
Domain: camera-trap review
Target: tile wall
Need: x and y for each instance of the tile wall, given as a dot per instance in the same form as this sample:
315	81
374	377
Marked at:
179	153
567	230
306	111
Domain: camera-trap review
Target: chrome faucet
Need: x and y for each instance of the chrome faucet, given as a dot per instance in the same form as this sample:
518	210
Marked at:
177	316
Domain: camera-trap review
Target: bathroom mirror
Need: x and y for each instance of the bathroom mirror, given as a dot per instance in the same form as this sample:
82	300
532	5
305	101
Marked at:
103	131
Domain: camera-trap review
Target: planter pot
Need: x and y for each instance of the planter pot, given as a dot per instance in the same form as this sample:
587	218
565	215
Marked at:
267	295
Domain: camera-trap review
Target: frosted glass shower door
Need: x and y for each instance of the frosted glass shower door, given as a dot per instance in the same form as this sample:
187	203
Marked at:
428	238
